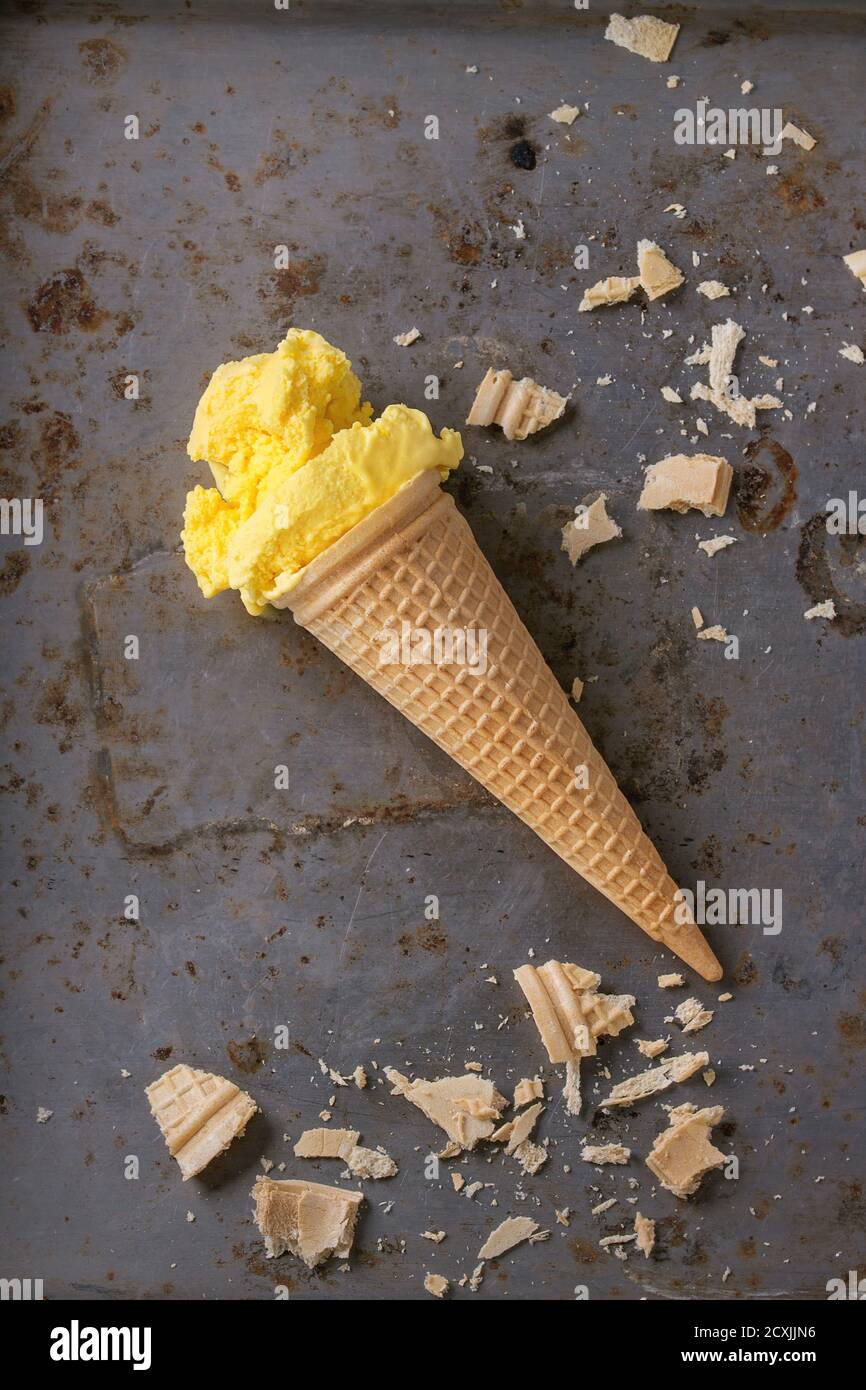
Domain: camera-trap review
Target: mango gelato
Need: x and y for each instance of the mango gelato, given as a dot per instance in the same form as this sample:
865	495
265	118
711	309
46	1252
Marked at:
298	461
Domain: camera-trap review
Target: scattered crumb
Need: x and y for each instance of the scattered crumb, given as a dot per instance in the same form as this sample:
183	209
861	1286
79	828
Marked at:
436	1284
565	115
712	547
407	339
827	609
713	289
852	353
652	1048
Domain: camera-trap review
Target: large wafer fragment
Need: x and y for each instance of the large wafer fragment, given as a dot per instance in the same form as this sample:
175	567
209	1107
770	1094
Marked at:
326	1143
646	36
512	1231
616	289
856	263
518	407
682	1153
199	1115
658	276
466	1107
656	1079
306	1219
683	481
570	1014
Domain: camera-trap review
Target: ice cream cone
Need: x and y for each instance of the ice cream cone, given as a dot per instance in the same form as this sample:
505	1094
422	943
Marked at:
414	561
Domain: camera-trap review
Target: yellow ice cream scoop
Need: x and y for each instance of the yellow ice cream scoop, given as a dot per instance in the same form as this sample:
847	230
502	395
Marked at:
298	462
276	409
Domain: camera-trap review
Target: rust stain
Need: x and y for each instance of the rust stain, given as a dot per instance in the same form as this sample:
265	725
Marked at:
798	195
823	561
753	487
15	566
64	302
103	59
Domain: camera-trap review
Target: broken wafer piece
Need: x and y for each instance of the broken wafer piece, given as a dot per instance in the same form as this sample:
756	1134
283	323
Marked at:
713	289
591	526
520	408
512	1231
692	1015
651	1047
570	1015
800	137
646	36
616	289
515	1132
306	1219
856	263
645	1233
565	115
683	481
650	1083
326	1143
658	275
722	389
199	1114
682	1154
466	1107
528	1089
370	1163
605	1153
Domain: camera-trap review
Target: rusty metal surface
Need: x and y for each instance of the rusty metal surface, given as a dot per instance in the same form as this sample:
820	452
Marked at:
155	777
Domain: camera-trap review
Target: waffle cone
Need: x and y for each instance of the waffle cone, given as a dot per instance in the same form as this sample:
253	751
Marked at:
415	561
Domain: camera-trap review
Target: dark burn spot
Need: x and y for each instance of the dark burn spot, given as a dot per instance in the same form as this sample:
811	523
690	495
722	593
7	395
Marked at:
62	303
247	1056
715	38
755	507
103	60
523	155
746	971
162	1054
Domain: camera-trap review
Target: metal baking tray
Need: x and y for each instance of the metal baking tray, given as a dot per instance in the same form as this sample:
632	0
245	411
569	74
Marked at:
154	778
